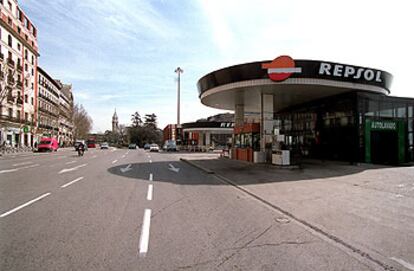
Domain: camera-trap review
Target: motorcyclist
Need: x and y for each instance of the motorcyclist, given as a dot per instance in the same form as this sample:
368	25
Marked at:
81	149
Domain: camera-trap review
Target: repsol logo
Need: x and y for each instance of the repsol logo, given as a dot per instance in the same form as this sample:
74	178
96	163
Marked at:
345	71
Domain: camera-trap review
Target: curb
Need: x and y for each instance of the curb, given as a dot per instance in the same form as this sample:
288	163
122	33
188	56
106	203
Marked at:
206	170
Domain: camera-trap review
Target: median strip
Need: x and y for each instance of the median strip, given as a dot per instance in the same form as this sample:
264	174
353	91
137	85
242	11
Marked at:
24	205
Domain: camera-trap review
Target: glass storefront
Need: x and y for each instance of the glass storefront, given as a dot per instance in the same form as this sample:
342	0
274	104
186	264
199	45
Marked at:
336	128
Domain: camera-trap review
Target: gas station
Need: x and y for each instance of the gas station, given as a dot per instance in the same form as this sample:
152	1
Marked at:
287	108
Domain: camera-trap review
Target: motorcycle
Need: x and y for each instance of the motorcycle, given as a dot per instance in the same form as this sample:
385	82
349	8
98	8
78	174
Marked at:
81	151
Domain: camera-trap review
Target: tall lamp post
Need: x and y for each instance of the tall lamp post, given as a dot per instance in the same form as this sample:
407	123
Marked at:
178	71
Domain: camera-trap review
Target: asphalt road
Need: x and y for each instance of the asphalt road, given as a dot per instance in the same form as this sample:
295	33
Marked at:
123	209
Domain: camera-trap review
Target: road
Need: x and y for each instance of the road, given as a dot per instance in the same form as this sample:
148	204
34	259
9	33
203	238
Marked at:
121	209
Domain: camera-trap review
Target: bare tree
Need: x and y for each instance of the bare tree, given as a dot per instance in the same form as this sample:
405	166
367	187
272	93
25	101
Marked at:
82	122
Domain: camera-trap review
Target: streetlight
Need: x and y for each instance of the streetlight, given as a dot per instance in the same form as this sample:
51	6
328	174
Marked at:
178	71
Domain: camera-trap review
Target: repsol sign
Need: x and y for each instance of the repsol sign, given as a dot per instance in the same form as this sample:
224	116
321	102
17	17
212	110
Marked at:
346	71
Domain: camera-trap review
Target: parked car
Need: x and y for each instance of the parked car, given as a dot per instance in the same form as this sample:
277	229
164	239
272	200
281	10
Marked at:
132	146
147	146
104	145
154	148
170	145
47	144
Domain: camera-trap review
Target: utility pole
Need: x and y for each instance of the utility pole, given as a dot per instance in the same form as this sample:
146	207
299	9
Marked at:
178	71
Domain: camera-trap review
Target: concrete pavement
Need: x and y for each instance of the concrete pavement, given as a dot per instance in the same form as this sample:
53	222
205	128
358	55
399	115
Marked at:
366	209
92	216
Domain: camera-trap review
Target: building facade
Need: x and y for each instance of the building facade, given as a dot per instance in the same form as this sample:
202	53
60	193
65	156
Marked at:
315	109
65	137
18	76
48	105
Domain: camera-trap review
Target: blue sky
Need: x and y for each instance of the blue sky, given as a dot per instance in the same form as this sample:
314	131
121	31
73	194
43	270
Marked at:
122	53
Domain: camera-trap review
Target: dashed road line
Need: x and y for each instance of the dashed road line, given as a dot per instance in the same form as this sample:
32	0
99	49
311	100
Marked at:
24	205
150	190
22	164
16	169
72	169
113	162
71	162
72	182
145	232
150	161
151	177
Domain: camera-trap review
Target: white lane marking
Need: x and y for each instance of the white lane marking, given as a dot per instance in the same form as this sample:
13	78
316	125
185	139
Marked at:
72	169
403	263
72	182
128	168
126	152
16	169
149	193
145	232
71	162
22	164
24	205
150	161
113	162
151	177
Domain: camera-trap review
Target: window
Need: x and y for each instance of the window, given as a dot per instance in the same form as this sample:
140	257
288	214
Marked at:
10	112
26	82
19	30
25	54
32	86
26	37
10	40
32	101
26	67
26	116
32	117
18	46
26	98
18	114
9	20
32	60
32	71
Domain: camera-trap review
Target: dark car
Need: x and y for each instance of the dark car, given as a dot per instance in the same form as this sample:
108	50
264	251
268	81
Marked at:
147	146
132	146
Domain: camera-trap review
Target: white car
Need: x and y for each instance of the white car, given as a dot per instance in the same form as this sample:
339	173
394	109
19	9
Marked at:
154	148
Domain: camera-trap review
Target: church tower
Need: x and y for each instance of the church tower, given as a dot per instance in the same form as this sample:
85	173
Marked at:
115	123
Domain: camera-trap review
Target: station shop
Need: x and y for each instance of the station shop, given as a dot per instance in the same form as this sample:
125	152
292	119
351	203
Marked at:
289	109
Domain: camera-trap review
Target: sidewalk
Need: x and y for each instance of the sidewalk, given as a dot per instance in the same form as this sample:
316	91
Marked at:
367	207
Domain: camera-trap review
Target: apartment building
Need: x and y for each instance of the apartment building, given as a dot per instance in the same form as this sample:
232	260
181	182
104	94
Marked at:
48	104
65	137
18	76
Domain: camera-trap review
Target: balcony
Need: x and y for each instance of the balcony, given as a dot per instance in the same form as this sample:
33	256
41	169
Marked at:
1	56
1	75
10	98
19	85
19	68
10	62
10	80
19	100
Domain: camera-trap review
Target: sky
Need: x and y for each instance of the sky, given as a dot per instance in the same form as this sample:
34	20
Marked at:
122	53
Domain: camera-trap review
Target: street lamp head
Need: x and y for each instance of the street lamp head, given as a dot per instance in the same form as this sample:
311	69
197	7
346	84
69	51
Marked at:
179	70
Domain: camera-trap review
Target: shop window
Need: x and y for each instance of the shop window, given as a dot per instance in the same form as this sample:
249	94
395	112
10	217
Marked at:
386	110
410	139
410	111
410	125
372	108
